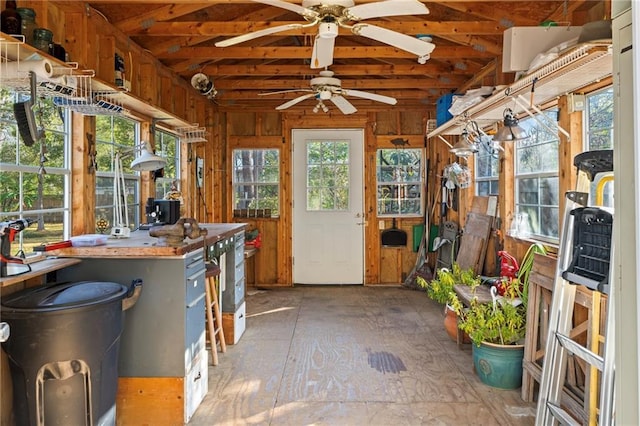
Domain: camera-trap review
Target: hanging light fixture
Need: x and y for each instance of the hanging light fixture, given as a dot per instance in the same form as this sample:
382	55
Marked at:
464	147
147	160
511	131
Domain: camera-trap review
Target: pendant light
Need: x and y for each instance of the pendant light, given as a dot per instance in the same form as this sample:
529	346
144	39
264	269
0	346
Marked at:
511	131
147	160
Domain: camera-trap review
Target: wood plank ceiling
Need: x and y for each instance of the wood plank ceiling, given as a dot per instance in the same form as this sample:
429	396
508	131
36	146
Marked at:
467	35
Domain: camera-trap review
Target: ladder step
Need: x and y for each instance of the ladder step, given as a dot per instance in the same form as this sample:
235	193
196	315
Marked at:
561	415
580	351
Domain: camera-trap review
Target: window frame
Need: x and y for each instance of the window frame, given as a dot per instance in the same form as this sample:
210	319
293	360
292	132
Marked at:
132	179
380	184
520	226
55	167
264	207
170	177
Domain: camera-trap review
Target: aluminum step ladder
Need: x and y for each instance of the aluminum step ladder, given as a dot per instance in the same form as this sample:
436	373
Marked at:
585	254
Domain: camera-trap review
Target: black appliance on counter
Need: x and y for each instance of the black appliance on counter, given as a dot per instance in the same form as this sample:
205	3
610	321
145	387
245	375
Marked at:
161	212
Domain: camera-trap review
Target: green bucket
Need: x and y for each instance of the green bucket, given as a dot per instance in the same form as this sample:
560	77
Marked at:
499	366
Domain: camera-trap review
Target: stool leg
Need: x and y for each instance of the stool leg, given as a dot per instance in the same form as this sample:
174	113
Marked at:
218	316
212	331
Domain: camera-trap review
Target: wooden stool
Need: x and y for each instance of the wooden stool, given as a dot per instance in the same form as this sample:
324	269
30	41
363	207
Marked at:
212	277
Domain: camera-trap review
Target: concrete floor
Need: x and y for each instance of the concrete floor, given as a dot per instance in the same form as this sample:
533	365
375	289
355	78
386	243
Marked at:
350	355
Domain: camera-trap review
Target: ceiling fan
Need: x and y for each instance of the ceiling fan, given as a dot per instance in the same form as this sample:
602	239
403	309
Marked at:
329	15
328	88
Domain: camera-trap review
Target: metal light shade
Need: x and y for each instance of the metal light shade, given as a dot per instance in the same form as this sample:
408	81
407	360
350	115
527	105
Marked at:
464	147
511	131
147	161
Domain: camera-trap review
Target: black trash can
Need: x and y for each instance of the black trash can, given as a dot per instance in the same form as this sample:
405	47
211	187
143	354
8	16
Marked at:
63	351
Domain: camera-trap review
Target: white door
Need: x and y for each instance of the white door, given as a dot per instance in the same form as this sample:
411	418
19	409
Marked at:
328	218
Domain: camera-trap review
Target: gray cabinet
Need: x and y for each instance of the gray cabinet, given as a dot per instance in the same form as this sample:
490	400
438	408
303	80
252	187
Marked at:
234	291
164	332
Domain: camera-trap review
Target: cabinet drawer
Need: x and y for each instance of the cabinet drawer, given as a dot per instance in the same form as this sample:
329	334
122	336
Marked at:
194	285
239	272
239	257
234	324
194	261
194	331
196	384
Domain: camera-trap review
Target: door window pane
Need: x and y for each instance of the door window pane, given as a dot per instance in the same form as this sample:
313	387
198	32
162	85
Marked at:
327	176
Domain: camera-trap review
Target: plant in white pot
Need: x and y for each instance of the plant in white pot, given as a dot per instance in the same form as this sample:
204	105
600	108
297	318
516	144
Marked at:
497	331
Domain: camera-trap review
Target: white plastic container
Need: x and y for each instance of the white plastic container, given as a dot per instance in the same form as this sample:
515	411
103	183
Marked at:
89	240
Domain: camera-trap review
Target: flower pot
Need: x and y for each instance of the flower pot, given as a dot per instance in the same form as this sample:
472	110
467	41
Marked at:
451	325
499	366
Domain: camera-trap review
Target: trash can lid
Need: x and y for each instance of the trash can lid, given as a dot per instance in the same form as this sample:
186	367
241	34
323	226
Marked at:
65	295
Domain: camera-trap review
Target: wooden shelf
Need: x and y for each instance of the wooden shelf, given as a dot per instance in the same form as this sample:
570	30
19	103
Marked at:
12	49
576	68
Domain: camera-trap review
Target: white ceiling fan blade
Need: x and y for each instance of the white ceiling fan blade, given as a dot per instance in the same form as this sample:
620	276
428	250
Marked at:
401	41
307	13
284	91
255	34
322	55
386	8
292	102
372	96
343	105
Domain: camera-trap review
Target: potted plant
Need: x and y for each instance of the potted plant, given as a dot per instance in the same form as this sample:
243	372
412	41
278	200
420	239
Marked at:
497	331
440	289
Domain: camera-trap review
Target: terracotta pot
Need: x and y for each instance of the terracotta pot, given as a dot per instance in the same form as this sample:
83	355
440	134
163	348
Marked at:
451	325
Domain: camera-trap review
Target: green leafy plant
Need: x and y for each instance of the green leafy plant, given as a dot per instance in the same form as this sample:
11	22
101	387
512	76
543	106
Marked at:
501	322
440	288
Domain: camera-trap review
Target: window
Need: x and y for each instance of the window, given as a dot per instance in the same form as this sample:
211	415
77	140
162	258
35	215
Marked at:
114	135
327	176
536	181
400	182
599	131
599	120
486	173
34	180
256	182
167	147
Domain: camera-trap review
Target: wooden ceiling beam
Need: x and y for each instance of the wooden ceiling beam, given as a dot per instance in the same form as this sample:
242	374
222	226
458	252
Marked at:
296	83
233	28
377	70
153	16
303	53
477	43
494	12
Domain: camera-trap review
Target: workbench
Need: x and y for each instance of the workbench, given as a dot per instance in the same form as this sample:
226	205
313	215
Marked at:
163	367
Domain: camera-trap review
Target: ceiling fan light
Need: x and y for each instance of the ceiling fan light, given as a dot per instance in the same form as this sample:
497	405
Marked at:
325	95
328	30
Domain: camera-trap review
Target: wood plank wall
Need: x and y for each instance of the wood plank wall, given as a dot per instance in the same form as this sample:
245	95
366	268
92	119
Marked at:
92	42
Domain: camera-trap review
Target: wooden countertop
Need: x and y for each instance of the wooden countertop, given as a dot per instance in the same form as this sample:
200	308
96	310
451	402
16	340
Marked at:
38	269
140	244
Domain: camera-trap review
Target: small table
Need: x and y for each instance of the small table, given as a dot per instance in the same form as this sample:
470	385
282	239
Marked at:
466	294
